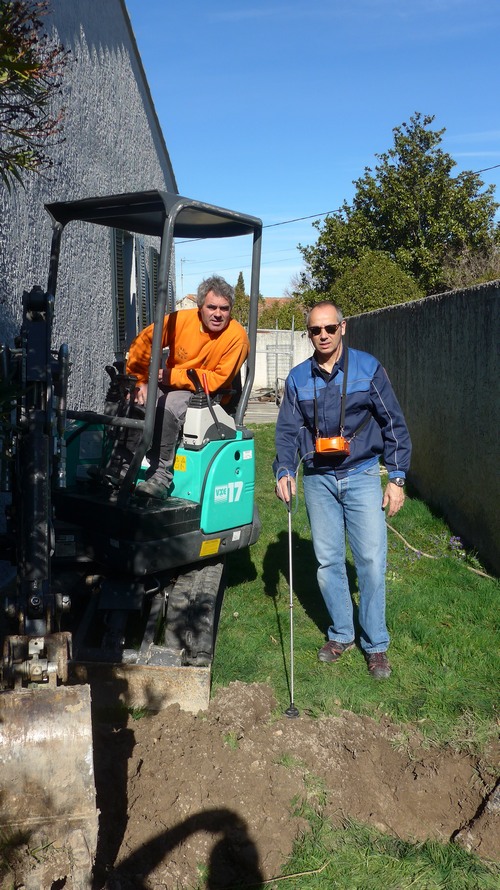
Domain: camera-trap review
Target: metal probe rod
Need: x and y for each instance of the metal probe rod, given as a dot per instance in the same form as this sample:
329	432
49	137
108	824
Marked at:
291	711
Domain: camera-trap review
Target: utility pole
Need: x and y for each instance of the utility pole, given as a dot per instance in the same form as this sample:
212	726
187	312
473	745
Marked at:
183	260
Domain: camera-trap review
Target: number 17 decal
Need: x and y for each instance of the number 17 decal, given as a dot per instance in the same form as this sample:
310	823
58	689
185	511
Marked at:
235	489
230	492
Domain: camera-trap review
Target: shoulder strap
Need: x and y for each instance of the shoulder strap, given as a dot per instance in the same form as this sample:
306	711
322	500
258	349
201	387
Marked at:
368	415
344	392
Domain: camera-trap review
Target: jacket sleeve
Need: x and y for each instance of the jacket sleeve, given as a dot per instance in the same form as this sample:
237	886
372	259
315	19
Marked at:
288	426
139	355
389	415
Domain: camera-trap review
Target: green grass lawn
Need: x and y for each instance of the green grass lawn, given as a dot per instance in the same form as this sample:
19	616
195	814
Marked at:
442	616
443	620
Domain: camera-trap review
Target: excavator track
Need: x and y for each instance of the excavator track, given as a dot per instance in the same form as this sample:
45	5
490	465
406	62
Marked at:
193	609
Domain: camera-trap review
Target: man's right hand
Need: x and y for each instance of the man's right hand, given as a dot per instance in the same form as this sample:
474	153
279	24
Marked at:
140	394
285	487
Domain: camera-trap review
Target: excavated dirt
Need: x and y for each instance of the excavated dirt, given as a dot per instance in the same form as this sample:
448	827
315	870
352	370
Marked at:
216	795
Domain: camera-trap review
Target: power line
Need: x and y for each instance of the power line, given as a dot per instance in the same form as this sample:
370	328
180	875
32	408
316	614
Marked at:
241	256
286	222
495	166
298	219
240	266
316	215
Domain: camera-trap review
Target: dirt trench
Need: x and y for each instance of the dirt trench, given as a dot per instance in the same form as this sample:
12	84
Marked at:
212	794
215	795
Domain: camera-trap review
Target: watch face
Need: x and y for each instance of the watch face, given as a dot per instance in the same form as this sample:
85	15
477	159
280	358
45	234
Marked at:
399	482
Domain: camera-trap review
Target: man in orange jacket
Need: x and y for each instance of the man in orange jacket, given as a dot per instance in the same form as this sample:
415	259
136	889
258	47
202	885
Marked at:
205	339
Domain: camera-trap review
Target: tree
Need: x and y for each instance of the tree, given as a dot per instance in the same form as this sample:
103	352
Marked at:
411	209
376	281
472	268
241	306
30	77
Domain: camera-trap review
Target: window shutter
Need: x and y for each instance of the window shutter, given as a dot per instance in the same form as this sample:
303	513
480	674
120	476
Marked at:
154	260
118	282
124	285
141	275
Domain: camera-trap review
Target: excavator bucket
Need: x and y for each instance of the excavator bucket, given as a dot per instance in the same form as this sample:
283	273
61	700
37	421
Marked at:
48	809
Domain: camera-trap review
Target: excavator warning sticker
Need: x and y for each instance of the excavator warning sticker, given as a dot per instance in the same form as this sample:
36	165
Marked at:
209	547
247	455
180	463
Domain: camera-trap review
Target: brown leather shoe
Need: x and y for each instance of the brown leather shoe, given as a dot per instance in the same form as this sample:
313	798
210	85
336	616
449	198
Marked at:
378	666
332	650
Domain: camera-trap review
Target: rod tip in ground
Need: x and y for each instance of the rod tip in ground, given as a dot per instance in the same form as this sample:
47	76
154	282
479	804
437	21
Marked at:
292	711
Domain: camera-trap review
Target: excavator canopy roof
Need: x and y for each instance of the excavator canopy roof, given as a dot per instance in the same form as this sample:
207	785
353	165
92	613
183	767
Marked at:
146	212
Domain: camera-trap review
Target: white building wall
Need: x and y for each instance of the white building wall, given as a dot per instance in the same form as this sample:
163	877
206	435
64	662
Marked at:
112	144
277	352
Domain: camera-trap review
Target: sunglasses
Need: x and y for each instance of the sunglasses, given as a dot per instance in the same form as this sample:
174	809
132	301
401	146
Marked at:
316	329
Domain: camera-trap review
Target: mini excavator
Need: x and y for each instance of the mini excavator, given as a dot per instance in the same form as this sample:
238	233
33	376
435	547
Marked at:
116	597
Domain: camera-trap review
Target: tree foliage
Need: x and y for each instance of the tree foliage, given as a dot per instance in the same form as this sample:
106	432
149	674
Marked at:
241	305
472	267
410	208
284	314
376	281
31	68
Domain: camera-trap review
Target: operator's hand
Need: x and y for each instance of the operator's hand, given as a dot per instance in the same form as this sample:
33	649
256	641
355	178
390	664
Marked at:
282	488
164	377
394	497
140	394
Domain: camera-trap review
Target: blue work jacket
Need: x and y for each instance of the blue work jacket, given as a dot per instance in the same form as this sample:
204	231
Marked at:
369	396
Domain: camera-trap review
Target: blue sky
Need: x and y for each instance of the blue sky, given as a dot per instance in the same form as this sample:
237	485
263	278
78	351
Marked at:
274	108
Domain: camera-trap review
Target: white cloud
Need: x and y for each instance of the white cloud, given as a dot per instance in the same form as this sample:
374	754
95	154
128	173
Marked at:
481	136
477	154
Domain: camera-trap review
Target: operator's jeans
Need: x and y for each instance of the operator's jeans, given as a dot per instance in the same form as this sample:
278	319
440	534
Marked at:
170	414
171	407
353	504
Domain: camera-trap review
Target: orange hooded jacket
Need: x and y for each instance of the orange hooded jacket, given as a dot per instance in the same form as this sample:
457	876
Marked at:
218	355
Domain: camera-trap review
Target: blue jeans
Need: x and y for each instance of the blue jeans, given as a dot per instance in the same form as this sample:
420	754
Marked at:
354	504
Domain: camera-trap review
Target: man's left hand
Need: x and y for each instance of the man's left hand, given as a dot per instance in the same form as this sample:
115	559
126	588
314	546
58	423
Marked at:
394	497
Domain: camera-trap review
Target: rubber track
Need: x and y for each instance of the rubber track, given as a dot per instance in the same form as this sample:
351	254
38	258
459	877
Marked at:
192	612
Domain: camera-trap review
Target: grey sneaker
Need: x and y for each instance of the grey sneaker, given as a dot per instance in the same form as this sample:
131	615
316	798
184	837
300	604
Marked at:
378	666
332	650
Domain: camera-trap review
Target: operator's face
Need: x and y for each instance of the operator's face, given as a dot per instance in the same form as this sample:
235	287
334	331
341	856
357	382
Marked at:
326	343
215	312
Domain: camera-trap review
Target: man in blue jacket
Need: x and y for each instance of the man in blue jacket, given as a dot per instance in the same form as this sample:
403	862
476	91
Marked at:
338	417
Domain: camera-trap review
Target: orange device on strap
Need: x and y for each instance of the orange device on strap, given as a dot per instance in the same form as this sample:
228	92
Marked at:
333	445
337	444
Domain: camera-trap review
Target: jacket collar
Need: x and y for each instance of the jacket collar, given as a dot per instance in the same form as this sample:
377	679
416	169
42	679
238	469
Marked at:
338	366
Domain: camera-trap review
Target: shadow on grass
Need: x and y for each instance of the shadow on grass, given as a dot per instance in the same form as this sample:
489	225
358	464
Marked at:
304	567
239	568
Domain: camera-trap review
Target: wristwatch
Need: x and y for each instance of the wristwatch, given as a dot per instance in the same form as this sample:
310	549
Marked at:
399	481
